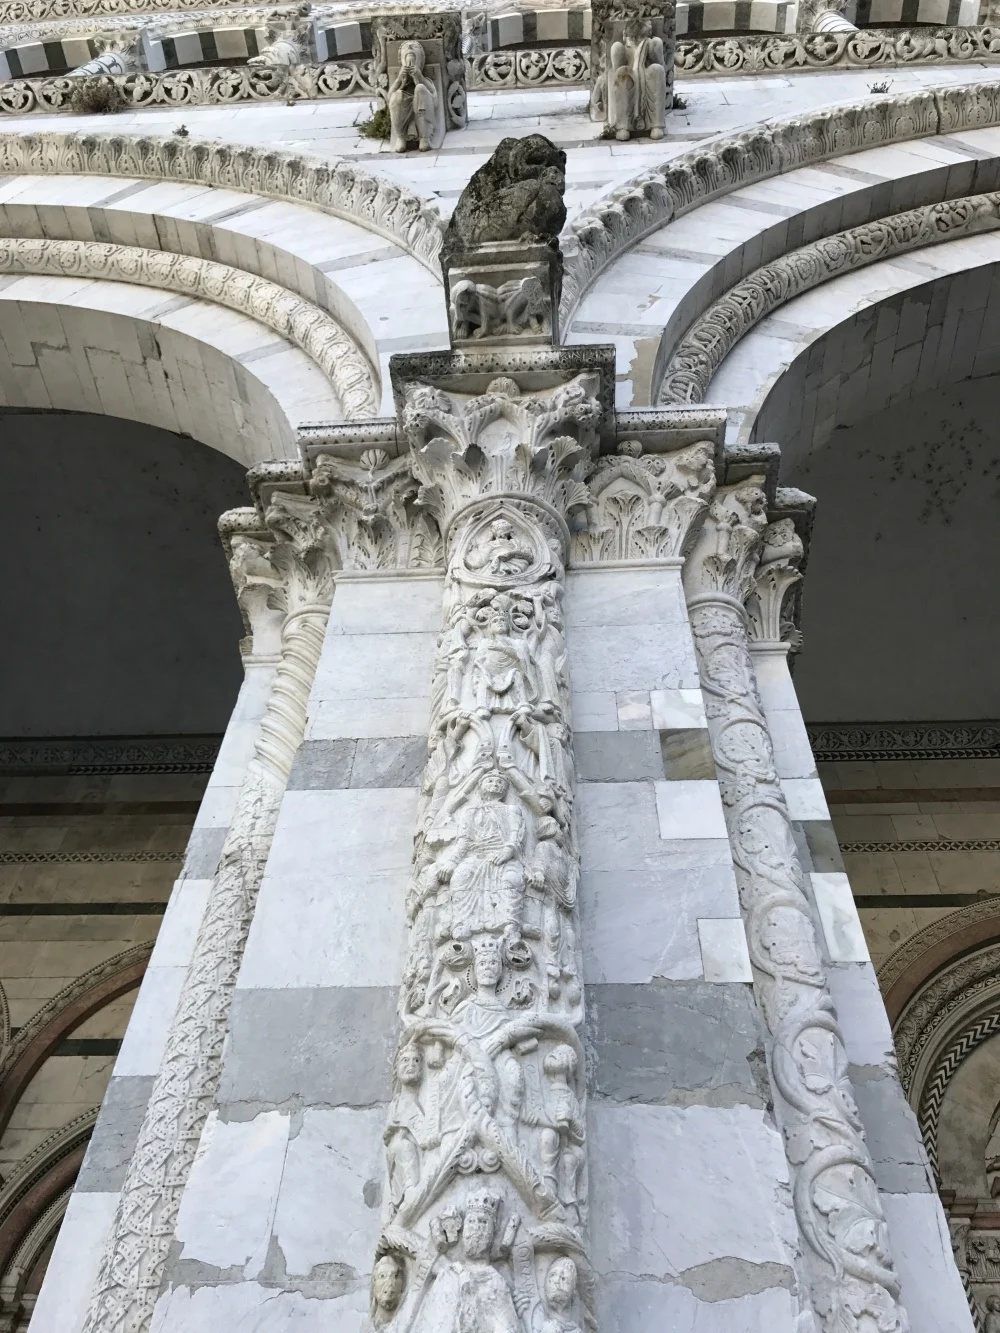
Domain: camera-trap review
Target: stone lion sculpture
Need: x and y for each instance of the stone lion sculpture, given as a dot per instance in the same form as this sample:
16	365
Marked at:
516	196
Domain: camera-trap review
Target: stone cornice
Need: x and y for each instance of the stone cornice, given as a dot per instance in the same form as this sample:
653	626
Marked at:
107	756
713	335
595	238
870	48
342	188
873	742
304	325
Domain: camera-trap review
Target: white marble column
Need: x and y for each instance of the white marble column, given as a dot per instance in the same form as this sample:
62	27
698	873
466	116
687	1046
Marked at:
846	1265
289	566
931	1285
486	1197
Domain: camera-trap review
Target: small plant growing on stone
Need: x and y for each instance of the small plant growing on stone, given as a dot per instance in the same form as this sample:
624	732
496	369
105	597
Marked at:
679	103
882	86
376	126
182	131
97	96
609	132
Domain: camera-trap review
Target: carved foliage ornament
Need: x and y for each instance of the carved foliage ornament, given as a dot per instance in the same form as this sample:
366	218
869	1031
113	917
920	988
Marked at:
848	1268
341	188
645	507
486	1134
305	325
631	211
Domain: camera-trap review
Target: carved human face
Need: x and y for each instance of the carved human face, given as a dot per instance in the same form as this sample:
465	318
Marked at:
410	55
493	787
487	963
993	1304
409	1065
477	1233
387	1282
560	1283
501	529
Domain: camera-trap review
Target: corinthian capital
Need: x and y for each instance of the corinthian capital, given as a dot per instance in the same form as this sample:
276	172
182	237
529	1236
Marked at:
645	507
777	574
370	510
302	553
503	447
725	553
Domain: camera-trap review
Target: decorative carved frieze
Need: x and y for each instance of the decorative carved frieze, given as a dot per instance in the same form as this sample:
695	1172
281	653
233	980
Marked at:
869	742
342	188
560	66
504	293
305	325
632	65
847	1268
713	335
865	49
486	1134
645	506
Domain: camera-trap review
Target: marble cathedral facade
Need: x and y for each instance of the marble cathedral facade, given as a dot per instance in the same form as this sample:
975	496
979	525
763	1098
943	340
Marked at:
515	976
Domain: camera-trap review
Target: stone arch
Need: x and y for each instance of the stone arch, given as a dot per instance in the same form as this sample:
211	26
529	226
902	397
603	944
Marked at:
58	1017
156	358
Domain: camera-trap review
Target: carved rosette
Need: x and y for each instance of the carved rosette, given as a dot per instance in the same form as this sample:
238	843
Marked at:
645	507
848	1269
485	1139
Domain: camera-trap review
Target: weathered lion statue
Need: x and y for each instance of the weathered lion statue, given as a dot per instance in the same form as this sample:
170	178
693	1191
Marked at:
516	196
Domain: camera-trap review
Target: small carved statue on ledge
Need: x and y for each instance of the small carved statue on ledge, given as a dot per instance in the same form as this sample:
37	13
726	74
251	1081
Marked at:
637	82
413	101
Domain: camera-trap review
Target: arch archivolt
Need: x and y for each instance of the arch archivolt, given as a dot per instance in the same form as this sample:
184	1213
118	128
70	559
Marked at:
683	275
160	358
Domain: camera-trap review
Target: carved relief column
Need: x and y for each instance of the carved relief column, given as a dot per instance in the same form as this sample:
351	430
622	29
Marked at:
291	568
846	1265
485	1140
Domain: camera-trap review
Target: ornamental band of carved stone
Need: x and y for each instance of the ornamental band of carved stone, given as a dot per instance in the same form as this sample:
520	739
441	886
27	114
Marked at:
305	325
847	1266
486	1134
633	210
714	334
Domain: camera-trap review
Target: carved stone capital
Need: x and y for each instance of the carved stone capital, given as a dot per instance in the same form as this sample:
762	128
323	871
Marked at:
645	506
504	448
371	514
725	554
302	553
777	574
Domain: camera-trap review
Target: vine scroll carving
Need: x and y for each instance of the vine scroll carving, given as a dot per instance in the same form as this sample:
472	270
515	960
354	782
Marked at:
848	1269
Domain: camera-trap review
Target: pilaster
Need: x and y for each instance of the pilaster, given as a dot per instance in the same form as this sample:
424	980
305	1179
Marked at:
929	1283
285	565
